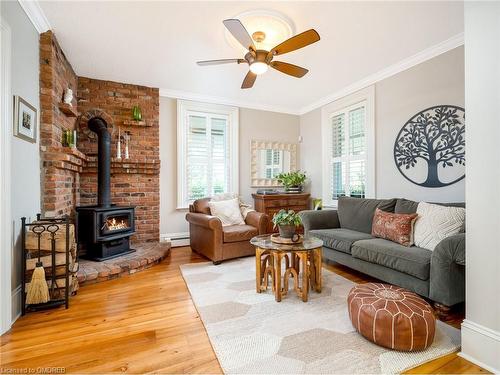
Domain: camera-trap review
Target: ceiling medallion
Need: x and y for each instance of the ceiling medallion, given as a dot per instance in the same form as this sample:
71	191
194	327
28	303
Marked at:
268	28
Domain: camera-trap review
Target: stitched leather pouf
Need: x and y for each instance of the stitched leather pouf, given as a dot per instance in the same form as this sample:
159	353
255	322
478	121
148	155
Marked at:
391	316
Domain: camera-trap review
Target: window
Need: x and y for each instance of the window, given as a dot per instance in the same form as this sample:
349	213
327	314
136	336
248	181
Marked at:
207	136
273	163
348	157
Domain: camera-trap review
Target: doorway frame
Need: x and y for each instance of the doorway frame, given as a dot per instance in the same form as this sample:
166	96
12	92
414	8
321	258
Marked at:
5	178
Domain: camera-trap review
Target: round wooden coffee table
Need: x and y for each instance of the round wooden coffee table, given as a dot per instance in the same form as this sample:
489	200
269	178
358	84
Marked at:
302	262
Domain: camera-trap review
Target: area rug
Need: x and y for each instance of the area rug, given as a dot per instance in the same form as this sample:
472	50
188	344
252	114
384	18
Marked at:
251	333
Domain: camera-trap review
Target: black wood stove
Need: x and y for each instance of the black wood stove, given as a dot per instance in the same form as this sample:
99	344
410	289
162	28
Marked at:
104	230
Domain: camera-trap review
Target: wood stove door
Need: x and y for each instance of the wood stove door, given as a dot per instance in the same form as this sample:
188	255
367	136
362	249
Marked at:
116	224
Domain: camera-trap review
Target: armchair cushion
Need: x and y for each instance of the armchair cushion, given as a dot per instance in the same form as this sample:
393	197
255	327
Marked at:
237	233
227	211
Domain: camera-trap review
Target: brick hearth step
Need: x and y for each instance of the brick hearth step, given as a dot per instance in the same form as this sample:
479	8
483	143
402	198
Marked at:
147	255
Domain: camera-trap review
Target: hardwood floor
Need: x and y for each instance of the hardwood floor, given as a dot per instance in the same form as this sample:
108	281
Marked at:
140	323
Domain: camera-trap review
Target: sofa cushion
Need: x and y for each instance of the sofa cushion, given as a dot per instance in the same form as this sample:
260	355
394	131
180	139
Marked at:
340	239
413	261
406	206
357	213
394	227
236	233
436	222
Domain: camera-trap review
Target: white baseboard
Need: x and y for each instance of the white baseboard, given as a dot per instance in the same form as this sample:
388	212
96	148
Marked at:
16	303
481	346
176	239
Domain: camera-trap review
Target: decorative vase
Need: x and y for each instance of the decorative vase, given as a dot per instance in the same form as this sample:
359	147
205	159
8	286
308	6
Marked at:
136	113
287	231
119	145
68	96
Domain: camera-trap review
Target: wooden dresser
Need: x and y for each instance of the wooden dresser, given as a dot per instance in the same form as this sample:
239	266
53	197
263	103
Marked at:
272	203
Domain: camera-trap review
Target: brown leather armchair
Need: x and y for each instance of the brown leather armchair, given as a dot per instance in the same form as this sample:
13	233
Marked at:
209	238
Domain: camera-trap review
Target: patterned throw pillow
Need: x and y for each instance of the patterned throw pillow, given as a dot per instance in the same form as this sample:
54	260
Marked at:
394	227
436	222
227	211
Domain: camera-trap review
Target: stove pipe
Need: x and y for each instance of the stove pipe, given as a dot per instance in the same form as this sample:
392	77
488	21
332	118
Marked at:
100	127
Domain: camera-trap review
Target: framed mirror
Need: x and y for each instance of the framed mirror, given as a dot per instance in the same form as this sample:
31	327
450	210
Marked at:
270	159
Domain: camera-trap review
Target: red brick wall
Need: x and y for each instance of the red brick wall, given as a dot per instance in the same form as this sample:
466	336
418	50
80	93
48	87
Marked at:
59	184
136	181
70	177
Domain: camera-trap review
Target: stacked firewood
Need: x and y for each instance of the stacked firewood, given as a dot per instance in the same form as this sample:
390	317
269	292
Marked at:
56	284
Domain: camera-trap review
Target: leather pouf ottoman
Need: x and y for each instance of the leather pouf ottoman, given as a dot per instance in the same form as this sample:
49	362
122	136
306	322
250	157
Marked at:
391	316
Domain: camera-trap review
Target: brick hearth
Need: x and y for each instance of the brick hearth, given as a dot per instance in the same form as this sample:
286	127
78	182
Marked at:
147	255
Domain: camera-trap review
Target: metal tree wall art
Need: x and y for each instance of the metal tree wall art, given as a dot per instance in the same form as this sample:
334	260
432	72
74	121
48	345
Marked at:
430	148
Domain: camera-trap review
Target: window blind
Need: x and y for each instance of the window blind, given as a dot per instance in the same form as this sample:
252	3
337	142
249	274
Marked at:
348	152
207	156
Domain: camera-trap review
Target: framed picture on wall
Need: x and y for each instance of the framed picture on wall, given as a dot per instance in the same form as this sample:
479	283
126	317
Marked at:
25	120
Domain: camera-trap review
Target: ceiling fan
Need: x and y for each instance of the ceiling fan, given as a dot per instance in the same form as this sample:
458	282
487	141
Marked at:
259	60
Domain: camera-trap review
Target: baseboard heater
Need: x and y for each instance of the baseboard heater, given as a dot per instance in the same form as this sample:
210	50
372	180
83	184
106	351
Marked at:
176	239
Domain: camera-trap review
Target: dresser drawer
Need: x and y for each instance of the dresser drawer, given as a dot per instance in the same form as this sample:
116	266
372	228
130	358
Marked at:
297	202
276	203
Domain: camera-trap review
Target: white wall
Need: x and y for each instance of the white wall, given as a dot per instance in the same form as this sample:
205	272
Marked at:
254	124
397	98
25	157
171	219
310	151
481	329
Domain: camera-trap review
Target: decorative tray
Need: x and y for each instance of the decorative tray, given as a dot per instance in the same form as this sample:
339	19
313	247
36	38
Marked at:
286	241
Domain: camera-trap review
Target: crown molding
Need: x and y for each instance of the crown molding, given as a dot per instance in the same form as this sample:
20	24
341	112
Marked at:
35	14
427	54
177	94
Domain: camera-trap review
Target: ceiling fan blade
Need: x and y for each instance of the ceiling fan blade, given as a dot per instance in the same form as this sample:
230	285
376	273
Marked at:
237	29
295	42
249	80
290	69
222	61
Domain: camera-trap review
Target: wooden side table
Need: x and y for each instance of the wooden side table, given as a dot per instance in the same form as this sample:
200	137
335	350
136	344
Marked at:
302	262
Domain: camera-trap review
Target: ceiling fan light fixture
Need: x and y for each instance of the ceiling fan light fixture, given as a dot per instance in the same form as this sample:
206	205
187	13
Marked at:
258	67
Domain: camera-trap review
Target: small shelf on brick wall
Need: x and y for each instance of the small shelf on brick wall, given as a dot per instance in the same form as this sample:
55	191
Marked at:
126	166
135	123
68	110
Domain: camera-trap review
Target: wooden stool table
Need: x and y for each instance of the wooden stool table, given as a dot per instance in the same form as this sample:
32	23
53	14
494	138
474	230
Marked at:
302	262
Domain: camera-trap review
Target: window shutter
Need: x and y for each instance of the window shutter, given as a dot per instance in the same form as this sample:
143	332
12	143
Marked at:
338	135
357	131
220	166
197	163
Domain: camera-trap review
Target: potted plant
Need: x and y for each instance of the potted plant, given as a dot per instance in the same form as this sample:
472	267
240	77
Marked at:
287	222
292	181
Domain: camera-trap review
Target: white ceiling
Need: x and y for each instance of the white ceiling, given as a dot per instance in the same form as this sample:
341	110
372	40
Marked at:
157	44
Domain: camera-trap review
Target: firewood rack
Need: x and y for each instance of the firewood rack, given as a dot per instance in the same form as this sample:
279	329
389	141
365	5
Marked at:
50	226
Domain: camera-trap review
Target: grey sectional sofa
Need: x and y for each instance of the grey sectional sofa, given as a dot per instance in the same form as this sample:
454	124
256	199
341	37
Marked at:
438	275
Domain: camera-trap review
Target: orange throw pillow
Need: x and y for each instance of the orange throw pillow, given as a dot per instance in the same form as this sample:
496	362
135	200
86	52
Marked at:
394	227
